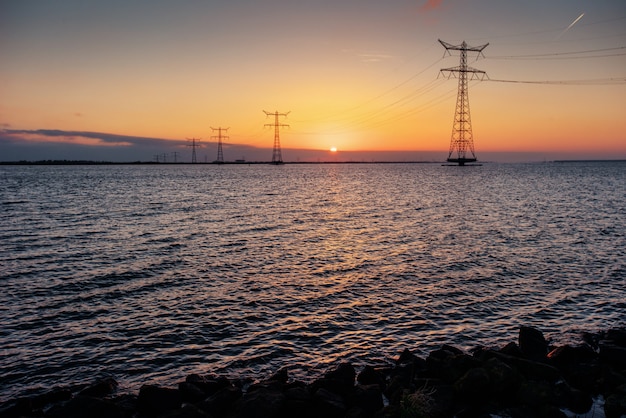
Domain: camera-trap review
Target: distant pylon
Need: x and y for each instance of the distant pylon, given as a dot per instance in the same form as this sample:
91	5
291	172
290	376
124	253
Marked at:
219	137
462	140
193	146
277	157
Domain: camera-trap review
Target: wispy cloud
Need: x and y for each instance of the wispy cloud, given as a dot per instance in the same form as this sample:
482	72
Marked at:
374	57
81	138
368	56
430	5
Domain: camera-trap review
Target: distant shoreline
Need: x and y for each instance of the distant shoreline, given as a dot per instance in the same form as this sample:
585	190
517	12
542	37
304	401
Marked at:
89	162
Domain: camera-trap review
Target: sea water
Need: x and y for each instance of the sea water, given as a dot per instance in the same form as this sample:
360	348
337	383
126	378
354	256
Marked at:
148	273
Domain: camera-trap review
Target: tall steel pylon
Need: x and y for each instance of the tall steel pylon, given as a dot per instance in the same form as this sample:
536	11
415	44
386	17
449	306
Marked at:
219	137
277	157
193	146
462	140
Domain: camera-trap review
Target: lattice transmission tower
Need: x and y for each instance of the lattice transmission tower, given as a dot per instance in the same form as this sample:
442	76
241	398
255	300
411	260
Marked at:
277	157
462	140
220	138
195	143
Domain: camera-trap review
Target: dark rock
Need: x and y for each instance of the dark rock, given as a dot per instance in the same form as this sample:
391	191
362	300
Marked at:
281	376
189	392
100	388
617	336
261	403
535	394
512	349
86	406
449	363
344	373
573	399
298	403
218	403
368	399
370	376
208	384
532	343
187	411
406	357
531	369
54	396
329	404
153	400
613	354
505	380
568	357
473	385
615	405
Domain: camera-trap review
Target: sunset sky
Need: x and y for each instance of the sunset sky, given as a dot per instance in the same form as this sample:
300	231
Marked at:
124	80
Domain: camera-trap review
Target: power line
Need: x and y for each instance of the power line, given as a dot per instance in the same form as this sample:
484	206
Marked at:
591	82
565	55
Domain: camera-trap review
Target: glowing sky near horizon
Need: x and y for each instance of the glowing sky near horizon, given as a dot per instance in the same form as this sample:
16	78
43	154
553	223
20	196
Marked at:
355	74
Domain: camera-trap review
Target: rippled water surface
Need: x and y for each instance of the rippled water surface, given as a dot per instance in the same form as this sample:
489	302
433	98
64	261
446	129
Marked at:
149	273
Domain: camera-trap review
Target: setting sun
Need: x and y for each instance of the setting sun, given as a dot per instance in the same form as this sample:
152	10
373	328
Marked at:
333	149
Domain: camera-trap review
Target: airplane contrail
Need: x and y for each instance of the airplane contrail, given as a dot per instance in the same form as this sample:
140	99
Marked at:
571	24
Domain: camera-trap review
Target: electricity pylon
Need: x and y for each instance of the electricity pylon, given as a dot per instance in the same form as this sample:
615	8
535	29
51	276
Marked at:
219	137
277	157
462	139
193	146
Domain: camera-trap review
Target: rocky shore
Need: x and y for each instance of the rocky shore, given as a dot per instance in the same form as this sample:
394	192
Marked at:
527	378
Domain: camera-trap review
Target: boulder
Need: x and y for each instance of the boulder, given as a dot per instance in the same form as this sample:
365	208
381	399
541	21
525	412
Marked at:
368	399
218	403
532	343
261	403
370	376
153	400
100	388
344	373
86	406
329	404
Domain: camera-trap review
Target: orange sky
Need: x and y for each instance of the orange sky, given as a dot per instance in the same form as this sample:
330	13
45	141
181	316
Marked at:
354	75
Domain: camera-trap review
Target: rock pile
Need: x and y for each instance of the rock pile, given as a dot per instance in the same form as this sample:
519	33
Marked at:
524	379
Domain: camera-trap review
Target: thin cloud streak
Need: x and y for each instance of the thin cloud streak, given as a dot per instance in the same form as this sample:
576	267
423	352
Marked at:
430	5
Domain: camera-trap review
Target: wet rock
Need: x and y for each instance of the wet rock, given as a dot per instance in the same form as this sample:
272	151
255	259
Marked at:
191	393
449	363
187	411
208	384
505	380
535	394
368	399
153	400
219	403
613	354
573	399
532	343
528	368
298	403
615	405
512	349
617	336
100	388
567	357
370	376
473	385
344	373
86	406
329	404
261	403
